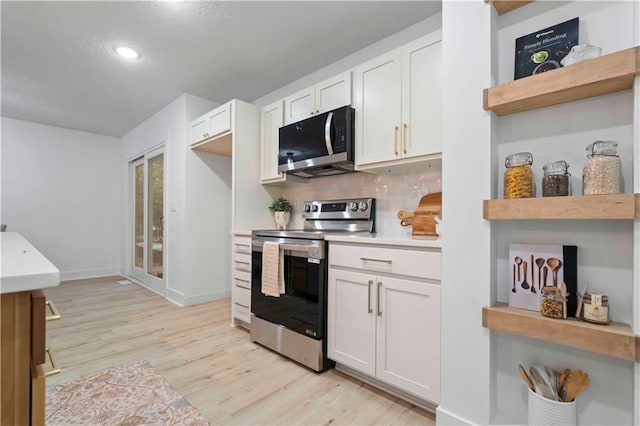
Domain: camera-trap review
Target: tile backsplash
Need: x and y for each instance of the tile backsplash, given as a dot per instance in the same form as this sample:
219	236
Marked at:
393	192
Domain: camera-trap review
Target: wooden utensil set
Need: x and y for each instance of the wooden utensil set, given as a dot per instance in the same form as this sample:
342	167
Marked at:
552	264
553	385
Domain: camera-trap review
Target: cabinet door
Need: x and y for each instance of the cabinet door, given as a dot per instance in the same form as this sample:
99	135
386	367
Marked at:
422	96
299	106
351	321
270	123
220	120
333	93
408	351
378	103
199	130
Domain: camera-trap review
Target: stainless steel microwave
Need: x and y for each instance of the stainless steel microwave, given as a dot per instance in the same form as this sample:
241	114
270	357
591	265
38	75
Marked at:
321	145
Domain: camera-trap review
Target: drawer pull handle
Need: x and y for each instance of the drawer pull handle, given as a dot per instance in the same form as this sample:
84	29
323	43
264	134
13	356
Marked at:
369	310
369	259
55	315
379	311
54	363
240	304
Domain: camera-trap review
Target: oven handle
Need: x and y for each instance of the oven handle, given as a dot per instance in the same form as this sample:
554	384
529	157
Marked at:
291	247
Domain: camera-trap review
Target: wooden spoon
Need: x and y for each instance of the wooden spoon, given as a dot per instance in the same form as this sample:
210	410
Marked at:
518	261
526	377
577	382
554	264
561	380
540	264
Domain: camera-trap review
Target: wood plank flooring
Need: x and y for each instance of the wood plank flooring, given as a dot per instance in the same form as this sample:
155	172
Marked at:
213	365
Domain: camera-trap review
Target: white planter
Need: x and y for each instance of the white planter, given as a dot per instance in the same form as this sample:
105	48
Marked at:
282	219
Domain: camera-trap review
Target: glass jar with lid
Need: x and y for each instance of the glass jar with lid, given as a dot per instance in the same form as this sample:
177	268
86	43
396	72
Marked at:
555	182
518	178
602	172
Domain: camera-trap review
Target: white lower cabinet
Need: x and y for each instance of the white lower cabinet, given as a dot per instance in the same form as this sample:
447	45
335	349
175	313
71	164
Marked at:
385	325
241	279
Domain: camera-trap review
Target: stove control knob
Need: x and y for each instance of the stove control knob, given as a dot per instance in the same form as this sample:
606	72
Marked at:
307	208
314	208
353	206
364	206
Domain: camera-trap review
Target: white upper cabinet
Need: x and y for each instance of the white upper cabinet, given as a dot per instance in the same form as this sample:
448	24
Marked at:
398	100
271	119
325	96
211	131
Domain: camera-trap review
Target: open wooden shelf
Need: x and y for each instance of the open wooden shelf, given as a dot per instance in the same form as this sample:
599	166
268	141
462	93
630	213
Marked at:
219	144
504	6
617	206
595	77
615	339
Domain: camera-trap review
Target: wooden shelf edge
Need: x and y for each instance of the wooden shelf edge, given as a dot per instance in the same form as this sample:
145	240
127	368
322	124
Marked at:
504	6
606	74
615	340
219	144
599	207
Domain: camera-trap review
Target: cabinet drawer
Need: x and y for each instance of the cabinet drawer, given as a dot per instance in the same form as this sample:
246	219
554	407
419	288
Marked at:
241	245
410	262
241	311
241	261
38	327
241	279
241	295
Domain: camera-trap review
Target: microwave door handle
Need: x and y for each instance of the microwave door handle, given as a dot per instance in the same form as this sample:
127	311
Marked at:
327	133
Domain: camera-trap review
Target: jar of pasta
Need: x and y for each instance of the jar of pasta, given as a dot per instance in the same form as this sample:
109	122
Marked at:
555	182
518	178
603	170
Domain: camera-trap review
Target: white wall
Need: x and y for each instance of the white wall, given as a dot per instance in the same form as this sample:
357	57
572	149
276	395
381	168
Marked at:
185	184
61	189
385	45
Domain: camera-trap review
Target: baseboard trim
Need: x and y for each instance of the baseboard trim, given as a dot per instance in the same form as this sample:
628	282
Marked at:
175	297
387	388
89	273
208	297
446	418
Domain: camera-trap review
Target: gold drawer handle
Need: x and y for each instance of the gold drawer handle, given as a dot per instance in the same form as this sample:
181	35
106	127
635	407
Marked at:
55	315
54	363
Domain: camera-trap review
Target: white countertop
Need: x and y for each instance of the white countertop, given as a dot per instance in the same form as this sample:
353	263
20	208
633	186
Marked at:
388	239
23	267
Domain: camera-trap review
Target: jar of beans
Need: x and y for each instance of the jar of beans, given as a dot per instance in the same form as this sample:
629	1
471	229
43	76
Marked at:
555	182
518	178
603	170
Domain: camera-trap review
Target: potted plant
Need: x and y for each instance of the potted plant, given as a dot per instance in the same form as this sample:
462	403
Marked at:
281	209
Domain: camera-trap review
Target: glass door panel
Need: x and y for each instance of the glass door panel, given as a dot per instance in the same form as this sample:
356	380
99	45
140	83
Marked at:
139	216
155	216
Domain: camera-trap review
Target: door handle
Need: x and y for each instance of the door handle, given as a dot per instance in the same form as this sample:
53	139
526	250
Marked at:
369	310
327	133
395	140
404	137
378	298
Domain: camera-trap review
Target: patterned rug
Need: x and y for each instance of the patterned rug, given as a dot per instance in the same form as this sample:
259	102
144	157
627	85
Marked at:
132	394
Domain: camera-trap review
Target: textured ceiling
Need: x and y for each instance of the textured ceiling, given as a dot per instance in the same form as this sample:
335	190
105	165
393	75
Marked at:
59	67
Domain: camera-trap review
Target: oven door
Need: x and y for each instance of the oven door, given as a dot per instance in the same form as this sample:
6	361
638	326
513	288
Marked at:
302	307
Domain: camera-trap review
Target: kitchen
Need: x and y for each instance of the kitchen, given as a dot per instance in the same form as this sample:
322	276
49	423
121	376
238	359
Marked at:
470	169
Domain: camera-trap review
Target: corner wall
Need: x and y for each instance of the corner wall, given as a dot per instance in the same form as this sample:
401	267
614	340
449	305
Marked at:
61	189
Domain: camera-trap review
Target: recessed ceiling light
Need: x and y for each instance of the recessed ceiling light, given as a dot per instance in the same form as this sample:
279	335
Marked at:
127	52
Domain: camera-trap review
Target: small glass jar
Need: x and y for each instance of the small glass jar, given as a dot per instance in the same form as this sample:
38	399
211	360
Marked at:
518	178
552	304
595	308
555	182
603	170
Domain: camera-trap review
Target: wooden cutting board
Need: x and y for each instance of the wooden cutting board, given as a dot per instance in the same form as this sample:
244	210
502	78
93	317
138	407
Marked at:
421	219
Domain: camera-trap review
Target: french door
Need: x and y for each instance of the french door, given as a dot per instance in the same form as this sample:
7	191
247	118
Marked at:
148	220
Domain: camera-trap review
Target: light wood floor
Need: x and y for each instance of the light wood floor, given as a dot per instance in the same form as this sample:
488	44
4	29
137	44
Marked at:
213	365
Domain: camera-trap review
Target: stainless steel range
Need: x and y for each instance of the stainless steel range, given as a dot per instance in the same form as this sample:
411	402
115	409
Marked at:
294	324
